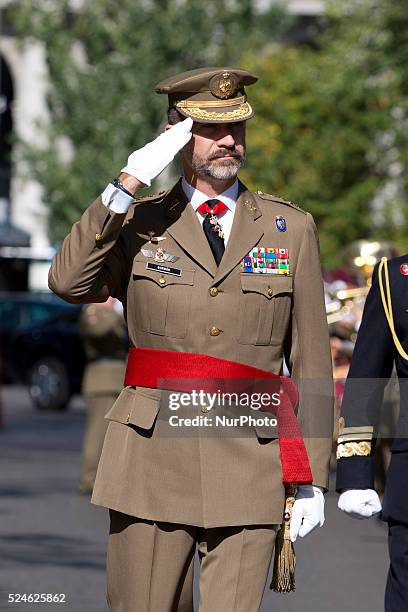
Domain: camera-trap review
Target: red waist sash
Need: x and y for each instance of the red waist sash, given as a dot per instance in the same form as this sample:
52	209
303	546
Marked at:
146	367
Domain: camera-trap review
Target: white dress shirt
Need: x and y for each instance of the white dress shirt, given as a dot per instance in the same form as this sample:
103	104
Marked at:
119	202
228	197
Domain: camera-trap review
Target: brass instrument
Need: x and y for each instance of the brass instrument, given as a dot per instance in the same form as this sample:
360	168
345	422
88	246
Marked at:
343	303
359	257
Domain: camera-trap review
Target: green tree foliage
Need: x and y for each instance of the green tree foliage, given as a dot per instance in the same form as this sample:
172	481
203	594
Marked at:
331	124
104	61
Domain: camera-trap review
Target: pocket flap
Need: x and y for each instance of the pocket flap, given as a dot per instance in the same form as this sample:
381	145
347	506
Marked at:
163	278
135	406
266	431
268	285
266	427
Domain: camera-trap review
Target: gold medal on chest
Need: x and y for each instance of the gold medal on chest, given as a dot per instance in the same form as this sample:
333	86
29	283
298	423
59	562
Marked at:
216	226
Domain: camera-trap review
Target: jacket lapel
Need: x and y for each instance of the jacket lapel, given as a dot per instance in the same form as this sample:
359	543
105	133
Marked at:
186	229
246	232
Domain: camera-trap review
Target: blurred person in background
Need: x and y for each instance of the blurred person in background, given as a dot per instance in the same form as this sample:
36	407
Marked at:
103	331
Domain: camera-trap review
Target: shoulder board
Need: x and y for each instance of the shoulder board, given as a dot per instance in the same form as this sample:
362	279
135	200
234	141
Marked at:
275	198
153	197
157	197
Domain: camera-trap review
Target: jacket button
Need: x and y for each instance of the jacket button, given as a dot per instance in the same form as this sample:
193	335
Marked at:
215	331
205	409
270	292
213	291
162	280
98	237
128	418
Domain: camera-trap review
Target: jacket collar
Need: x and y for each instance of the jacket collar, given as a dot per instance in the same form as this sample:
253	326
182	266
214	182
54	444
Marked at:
187	231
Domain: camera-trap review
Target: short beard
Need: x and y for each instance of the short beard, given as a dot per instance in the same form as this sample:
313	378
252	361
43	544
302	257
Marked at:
221	171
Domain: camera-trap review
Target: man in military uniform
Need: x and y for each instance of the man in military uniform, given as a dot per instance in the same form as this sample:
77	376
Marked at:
208	273
103	331
382	342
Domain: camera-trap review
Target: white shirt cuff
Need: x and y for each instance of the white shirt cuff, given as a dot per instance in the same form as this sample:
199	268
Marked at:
116	200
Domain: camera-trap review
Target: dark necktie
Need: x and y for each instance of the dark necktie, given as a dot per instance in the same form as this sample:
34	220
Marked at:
213	209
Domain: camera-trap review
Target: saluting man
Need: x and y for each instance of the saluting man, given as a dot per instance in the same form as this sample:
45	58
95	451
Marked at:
215	280
382	341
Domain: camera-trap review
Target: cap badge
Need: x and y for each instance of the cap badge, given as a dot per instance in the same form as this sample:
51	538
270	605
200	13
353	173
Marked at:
224	85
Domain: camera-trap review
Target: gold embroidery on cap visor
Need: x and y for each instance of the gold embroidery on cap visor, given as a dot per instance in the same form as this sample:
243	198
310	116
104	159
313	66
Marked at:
211	103
241	113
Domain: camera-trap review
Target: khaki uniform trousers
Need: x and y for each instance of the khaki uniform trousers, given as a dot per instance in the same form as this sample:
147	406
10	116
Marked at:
150	566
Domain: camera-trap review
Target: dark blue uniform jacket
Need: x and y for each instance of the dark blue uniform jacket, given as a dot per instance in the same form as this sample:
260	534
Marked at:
373	359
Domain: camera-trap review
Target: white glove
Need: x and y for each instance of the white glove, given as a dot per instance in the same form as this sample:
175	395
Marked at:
360	503
149	161
307	511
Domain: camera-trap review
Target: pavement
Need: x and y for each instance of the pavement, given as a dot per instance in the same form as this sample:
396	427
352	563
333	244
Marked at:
52	540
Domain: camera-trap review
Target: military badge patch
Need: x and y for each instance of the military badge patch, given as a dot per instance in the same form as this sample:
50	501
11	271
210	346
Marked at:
159	255
280	223
266	260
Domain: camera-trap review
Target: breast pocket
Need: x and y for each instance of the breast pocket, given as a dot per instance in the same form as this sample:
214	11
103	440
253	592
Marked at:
265	304
160	301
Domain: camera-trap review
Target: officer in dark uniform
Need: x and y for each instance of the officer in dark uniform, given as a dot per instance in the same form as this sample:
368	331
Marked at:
382	342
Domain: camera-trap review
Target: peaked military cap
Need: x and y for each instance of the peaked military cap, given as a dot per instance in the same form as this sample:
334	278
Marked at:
210	95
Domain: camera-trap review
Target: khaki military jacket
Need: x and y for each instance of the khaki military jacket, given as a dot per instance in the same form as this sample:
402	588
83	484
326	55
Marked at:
252	318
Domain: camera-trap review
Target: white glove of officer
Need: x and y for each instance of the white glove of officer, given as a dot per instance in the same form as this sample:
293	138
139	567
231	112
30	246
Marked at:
147	163
360	503
307	511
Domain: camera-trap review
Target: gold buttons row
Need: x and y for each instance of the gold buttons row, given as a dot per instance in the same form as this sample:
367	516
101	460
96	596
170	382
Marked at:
214	331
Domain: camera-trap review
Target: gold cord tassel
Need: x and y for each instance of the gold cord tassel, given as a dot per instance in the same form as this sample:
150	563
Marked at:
283	578
387	304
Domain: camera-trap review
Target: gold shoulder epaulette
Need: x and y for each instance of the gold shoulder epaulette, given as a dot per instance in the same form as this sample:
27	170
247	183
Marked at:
275	198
